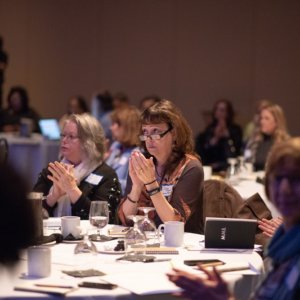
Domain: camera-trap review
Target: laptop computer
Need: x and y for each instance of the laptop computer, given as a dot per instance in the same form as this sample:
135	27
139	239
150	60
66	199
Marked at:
50	129
230	233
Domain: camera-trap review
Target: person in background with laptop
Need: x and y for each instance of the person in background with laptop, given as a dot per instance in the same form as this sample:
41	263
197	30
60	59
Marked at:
81	175
18	110
282	279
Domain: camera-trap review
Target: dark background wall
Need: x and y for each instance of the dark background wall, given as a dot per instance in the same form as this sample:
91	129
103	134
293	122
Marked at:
190	51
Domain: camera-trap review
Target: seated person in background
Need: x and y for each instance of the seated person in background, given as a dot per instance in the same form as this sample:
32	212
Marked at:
125	130
170	176
120	100
148	101
102	106
17	226
80	176
254	125
273	130
17	109
282	280
222	139
76	105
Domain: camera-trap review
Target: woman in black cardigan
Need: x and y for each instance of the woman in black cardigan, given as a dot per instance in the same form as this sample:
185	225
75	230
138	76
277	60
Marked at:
80	176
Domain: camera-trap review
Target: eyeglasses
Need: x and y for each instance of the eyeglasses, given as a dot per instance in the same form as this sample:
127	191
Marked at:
69	137
155	136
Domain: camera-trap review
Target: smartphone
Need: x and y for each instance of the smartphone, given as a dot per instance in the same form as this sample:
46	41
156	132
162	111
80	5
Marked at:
204	262
97	285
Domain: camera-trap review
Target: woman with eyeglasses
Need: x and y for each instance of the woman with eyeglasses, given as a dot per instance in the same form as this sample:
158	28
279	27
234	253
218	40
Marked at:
169	177
282	278
81	175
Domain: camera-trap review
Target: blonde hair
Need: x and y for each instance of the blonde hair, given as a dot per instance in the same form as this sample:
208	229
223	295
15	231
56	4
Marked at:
281	133
287	150
129	119
91	136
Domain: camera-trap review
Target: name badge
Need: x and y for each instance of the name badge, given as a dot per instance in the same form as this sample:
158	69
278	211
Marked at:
167	189
93	179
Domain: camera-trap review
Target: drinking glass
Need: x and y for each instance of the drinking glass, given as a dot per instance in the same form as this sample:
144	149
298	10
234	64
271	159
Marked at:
135	239
232	176
99	217
85	246
242	168
147	226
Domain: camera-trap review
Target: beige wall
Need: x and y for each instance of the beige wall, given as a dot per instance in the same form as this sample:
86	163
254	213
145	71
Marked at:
192	52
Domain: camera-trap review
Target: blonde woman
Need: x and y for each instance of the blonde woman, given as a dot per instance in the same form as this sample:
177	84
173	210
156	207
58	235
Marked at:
125	126
81	176
273	130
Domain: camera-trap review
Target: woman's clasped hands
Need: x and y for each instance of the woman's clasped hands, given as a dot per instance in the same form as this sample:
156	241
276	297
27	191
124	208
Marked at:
141	169
62	176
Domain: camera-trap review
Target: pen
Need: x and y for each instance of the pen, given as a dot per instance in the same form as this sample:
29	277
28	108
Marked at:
212	264
233	269
54	285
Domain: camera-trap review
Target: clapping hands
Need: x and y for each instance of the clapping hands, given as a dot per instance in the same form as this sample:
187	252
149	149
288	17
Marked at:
196	287
141	169
62	176
269	226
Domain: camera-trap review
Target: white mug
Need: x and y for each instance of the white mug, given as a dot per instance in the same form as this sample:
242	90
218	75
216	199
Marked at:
207	170
173	233
39	261
70	225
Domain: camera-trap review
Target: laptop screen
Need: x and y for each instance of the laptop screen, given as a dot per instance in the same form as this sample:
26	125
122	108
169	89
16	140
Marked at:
50	129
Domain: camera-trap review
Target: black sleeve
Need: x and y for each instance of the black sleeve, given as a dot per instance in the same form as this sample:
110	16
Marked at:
108	189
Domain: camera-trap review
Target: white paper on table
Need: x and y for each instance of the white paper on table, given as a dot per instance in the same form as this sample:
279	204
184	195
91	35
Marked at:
143	283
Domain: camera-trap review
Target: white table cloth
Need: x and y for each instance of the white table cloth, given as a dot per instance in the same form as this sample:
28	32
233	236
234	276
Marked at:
147	280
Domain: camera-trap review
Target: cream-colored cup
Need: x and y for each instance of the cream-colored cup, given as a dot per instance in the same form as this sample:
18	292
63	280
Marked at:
39	261
173	233
70	225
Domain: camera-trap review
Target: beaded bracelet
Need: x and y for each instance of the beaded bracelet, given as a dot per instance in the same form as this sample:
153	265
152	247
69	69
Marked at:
150	182
154	191
135	202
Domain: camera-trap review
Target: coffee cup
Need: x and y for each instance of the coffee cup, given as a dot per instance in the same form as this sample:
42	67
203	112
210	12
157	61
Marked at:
70	225
207	170
173	233
39	261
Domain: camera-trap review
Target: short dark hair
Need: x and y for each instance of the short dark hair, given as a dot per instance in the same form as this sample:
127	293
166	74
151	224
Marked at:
23	95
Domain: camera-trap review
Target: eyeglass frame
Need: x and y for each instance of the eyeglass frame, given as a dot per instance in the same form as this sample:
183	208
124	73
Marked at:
158	136
68	137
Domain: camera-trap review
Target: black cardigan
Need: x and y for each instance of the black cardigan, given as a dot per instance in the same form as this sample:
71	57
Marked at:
108	189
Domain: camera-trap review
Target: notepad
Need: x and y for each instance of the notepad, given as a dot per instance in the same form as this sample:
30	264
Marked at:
230	233
158	250
53	290
118	231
